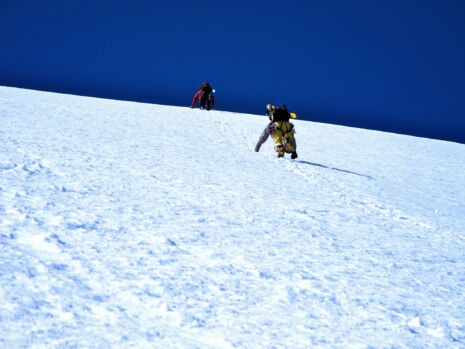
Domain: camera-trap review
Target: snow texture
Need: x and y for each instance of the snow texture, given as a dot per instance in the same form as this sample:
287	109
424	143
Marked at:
146	226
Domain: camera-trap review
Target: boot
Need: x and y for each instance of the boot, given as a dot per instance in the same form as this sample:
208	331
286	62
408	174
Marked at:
294	155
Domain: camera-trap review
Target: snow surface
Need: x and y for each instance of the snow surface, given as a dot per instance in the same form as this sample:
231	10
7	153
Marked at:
146	226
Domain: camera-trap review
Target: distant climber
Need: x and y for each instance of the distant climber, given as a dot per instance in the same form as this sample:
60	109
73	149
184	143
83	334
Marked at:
281	130
205	97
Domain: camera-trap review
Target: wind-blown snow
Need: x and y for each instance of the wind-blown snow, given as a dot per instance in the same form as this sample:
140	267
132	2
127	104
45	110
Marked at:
134	225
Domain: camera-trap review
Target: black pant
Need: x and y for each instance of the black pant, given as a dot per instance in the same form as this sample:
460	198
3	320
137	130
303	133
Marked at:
205	100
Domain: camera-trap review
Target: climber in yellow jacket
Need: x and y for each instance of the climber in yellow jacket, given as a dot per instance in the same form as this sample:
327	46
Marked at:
281	130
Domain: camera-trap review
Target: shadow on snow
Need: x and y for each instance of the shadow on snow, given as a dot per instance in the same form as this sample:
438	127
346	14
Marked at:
333	168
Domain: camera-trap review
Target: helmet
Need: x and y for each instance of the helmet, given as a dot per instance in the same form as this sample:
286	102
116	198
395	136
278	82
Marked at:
205	83
269	110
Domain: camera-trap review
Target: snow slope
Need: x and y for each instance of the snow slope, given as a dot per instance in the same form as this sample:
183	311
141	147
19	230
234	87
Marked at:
145	226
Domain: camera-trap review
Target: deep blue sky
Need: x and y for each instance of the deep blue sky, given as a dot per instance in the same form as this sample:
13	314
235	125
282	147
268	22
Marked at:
391	65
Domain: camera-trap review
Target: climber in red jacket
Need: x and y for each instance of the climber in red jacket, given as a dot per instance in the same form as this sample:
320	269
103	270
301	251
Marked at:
205	97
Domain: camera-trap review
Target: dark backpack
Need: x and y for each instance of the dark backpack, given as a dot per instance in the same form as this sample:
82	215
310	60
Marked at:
207	89
281	114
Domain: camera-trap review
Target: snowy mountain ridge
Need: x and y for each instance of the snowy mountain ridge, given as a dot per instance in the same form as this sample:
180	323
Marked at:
134	225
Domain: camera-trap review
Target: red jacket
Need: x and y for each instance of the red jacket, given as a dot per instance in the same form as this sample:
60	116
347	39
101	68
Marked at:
197	96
